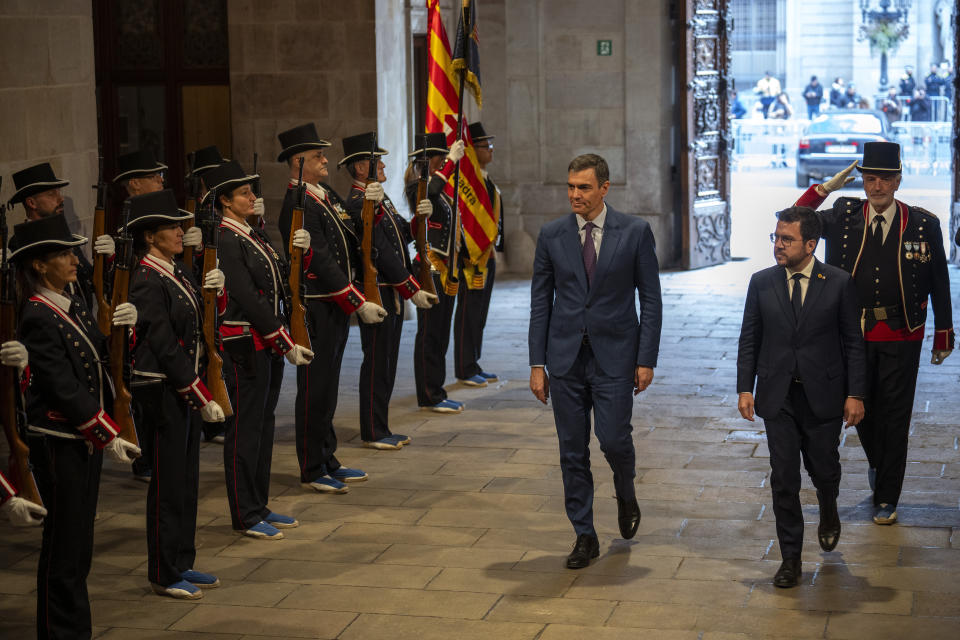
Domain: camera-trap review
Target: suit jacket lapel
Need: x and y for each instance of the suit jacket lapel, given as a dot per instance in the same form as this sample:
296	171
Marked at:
608	246
570	242
814	289
780	291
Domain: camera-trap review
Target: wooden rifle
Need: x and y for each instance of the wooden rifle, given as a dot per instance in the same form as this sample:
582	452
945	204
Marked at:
104	312
118	335
19	463
193	195
215	383
423	246
371	290
298	312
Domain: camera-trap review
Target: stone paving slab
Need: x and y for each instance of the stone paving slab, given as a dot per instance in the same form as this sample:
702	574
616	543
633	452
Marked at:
463	533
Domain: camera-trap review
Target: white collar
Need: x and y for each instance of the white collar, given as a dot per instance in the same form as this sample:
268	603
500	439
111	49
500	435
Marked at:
242	227
62	301
317	190
887	213
157	262
597	222
807	271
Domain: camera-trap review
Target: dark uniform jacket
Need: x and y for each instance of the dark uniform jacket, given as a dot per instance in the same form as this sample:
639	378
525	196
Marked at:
334	255
255	288
922	265
69	379
440	224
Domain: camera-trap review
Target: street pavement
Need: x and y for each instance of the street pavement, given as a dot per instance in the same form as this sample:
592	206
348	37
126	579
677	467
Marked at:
462	534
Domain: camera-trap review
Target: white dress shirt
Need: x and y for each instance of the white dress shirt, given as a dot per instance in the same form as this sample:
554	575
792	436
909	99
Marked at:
597	232
887	218
807	272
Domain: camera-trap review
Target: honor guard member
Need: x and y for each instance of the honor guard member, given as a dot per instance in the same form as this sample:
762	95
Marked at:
381	341
473	302
66	397
433	325
255	341
139	172
329	269
895	253
167	361
39	191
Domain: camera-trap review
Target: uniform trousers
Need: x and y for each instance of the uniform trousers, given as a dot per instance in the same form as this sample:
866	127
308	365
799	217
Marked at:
430	348
317	386
68	477
145	437
885	428
469	320
583	390
378	372
795	433
253	380
172	496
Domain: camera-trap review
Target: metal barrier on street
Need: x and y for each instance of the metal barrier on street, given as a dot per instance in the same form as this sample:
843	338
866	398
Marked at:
925	147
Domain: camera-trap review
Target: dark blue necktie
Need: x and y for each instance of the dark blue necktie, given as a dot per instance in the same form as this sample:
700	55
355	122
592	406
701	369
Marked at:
797	297
589	251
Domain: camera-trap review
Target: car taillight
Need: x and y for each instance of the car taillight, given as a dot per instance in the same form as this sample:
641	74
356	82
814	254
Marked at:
804	143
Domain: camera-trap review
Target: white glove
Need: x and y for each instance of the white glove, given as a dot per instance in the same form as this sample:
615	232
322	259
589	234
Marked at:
258	208
125	315
371	313
840	180
104	245
22	512
424	300
424	208
212	412
301	239
214	279
374	191
456	151
193	237
122	451
299	355
14	354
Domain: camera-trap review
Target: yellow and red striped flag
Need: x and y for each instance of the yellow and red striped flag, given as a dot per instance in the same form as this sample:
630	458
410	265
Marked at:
476	210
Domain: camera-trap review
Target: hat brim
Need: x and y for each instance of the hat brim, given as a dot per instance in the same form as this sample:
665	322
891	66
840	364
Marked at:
482	138
156	218
861	169
228	185
300	148
34	246
139	173
28	190
199	171
430	151
360	155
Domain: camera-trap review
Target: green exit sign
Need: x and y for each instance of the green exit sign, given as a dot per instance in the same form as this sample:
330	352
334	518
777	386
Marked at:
604	47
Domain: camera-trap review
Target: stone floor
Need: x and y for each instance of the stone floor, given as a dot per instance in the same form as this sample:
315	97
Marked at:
463	535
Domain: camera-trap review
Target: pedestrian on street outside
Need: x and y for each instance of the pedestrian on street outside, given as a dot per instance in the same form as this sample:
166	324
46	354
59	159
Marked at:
837	90
920	107
813	95
768	88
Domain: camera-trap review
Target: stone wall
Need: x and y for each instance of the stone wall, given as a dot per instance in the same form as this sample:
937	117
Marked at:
296	61
48	107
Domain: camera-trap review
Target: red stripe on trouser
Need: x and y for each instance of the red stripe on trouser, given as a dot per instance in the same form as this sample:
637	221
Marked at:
306	420
236	445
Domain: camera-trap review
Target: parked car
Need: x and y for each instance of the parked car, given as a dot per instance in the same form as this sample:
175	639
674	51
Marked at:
834	139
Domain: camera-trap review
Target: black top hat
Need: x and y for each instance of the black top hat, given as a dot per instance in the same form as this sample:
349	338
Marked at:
50	234
33	180
477	134
137	164
154	209
206	159
225	178
358	147
299	139
880	157
435	144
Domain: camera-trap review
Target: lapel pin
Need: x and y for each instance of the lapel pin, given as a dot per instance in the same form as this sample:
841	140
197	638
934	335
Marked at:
821	276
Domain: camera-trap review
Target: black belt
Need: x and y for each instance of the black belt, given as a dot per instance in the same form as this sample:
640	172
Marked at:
876	314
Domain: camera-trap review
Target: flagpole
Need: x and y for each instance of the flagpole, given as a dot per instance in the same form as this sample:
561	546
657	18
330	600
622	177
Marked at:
453	275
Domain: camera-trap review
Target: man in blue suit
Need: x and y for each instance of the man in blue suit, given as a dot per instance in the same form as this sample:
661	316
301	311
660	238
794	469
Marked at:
802	346
585	332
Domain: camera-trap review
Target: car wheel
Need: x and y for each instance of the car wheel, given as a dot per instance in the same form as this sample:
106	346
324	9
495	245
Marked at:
803	180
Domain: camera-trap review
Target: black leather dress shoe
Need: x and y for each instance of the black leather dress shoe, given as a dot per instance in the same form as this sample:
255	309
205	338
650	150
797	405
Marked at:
828	533
586	548
628	517
788	575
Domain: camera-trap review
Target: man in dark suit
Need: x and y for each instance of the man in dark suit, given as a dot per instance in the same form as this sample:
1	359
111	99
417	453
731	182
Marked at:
588	270
802	345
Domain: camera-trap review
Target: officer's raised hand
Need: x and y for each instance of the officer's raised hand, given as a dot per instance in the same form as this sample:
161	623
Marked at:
838	181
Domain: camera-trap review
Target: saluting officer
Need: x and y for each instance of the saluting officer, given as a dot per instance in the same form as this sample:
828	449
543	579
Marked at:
167	360
255	340
330	269
433	325
39	191
895	253
473	302
66	398
381	341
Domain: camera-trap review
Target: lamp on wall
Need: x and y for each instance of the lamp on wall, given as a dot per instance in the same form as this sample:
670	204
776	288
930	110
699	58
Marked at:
884	29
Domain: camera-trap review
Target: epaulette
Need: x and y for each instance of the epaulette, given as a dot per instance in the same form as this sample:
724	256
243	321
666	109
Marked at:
923	211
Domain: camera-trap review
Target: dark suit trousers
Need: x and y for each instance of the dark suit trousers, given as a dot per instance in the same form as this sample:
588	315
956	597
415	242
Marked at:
381	348
253	381
317	386
793	433
172	496
469	320
68	478
885	428
575	394
430	348
143	464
